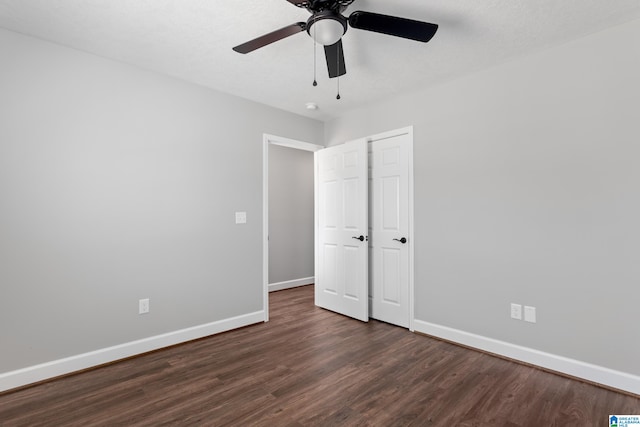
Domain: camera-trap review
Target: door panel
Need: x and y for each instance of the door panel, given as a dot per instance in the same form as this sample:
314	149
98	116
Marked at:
390	203
342	208
330	270
351	272
351	200
391	264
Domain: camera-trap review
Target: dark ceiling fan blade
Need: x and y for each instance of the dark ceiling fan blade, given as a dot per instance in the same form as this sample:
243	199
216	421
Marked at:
335	59
272	37
393	26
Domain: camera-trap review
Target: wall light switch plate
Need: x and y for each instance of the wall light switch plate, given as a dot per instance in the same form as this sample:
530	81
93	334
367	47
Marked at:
529	314
516	311
241	217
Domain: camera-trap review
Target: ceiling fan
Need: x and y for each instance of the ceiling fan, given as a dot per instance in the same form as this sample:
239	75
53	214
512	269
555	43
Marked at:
327	25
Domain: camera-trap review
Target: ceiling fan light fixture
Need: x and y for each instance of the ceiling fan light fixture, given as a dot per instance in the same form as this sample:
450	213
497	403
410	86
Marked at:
327	28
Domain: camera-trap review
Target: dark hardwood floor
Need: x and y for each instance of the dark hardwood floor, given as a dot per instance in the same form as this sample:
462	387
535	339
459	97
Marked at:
308	366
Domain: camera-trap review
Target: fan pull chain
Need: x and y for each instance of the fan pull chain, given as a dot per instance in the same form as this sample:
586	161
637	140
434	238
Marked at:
338	67
315	56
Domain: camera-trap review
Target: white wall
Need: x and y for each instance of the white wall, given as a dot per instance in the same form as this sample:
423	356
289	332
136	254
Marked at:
290	214
527	191
118	184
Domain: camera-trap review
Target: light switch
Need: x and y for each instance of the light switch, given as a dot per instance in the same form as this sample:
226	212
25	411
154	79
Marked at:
516	311
241	217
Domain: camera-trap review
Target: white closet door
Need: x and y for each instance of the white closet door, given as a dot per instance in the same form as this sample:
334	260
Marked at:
389	229
341	231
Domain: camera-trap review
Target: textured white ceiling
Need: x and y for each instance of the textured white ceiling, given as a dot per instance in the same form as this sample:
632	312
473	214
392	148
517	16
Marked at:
192	40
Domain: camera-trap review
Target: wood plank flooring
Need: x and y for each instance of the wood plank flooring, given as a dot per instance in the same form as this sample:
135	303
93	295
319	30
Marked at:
307	367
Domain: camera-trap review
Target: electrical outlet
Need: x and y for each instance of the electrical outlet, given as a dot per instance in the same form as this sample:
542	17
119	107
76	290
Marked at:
529	314
143	306
241	217
516	311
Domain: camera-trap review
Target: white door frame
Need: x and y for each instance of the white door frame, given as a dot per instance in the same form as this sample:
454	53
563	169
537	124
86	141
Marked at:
268	140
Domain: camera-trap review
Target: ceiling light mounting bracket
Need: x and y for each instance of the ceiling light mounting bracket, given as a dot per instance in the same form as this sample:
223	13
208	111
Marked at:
314	6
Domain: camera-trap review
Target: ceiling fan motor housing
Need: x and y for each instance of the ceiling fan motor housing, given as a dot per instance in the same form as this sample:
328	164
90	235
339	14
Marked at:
320	5
327	27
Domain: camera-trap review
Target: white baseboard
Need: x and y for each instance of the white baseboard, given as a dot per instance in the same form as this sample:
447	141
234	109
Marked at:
44	371
291	284
564	365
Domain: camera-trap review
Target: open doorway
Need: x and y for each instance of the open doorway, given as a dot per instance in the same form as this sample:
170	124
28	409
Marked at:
285	257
